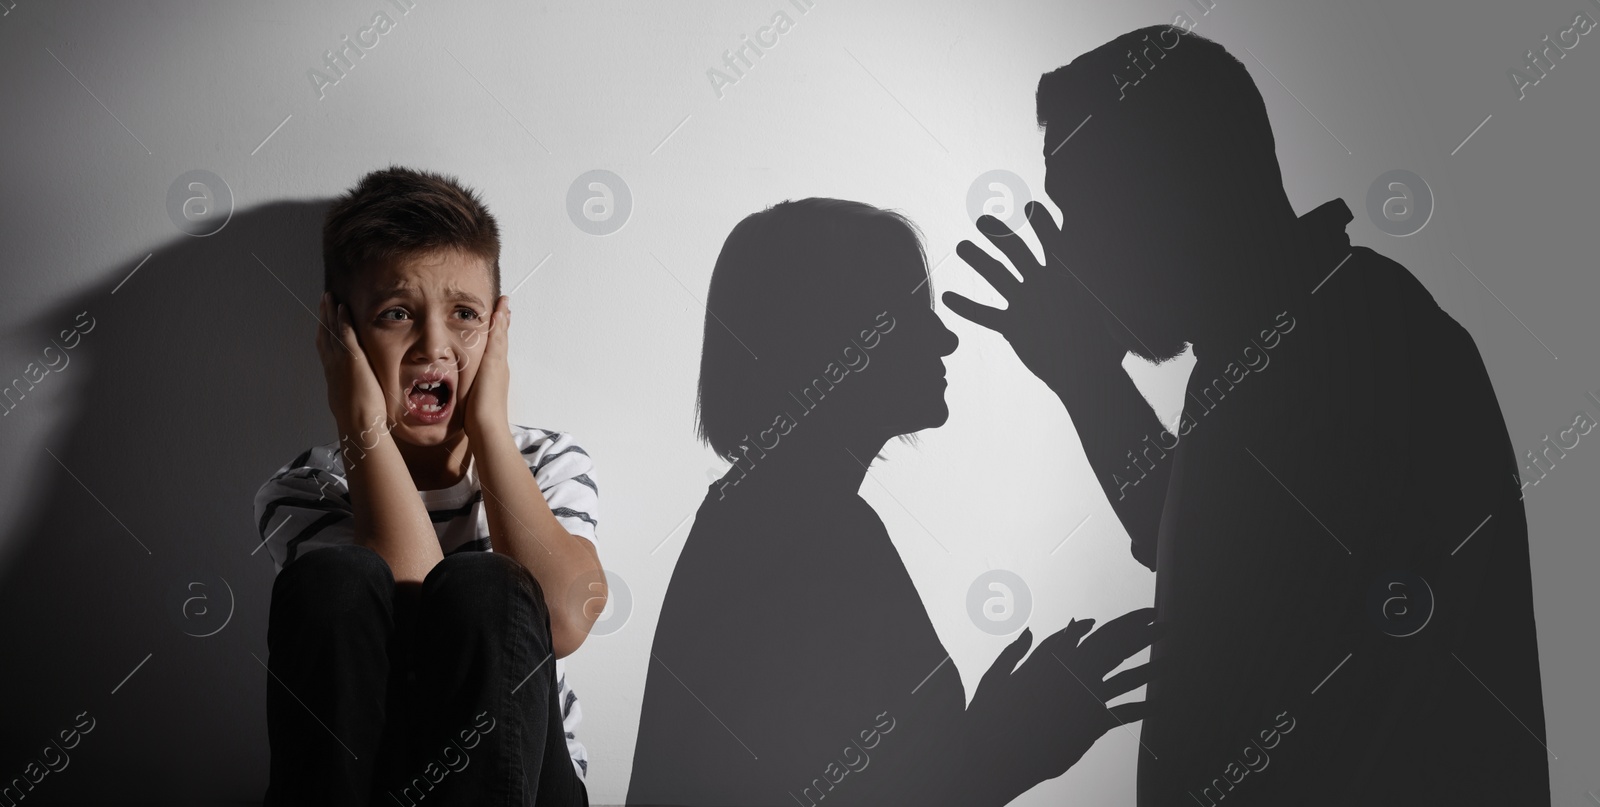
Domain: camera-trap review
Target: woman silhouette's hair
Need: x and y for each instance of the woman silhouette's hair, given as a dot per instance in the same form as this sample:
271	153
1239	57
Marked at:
792	285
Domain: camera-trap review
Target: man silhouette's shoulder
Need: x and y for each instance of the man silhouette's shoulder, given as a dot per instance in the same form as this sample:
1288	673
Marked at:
1349	267
1357	281
1392	298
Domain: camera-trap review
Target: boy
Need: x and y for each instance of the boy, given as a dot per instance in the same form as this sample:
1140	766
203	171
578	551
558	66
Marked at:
434	558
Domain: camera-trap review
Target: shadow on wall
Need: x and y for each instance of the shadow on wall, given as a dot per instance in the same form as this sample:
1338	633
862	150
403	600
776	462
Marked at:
130	599
1285	541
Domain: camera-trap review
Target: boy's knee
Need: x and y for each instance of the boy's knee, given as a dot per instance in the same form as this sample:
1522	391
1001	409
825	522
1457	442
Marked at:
340	562
333	580
479	583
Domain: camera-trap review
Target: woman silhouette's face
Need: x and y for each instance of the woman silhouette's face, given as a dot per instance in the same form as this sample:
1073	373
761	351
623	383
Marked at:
902	389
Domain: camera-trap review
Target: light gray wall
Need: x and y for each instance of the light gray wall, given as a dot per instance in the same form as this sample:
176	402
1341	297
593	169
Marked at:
199	378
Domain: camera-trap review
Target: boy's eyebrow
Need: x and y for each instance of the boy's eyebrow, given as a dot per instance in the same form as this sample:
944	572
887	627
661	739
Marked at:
401	290
459	296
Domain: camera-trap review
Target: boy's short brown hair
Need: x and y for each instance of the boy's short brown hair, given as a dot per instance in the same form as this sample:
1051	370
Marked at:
397	212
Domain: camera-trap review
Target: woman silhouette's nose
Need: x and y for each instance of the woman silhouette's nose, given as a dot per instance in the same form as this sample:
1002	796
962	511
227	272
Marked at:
945	338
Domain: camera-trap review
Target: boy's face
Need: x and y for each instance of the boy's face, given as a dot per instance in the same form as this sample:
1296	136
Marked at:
423	321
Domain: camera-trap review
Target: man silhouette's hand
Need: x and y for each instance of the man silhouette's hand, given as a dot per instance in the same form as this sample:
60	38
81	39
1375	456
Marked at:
1072	341
1039	721
1052	319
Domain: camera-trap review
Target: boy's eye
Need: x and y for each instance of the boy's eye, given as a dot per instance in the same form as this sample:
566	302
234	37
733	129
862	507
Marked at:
398	314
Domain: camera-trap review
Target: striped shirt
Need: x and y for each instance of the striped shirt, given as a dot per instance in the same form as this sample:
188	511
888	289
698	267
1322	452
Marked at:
305	505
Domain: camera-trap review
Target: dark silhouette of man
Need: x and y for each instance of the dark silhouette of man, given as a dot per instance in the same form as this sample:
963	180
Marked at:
1339	542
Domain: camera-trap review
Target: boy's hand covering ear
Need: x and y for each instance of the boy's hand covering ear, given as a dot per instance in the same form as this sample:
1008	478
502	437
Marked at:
354	396
485	400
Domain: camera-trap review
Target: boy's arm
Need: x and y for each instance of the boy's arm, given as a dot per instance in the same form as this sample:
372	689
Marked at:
521	525
520	521
388	514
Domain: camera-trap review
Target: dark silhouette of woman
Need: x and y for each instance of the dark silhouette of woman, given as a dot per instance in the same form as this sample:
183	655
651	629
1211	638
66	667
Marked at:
794	660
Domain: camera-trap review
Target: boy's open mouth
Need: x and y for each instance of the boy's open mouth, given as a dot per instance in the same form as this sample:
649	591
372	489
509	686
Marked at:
429	398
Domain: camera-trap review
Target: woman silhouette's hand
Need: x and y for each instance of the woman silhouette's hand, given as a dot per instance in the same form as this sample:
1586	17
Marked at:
1035	723
1052	320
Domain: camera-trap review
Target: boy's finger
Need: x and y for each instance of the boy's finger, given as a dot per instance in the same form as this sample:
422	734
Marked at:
491	332
347	335
322	326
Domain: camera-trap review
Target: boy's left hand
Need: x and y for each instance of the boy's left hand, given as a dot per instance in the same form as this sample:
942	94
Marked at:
485	403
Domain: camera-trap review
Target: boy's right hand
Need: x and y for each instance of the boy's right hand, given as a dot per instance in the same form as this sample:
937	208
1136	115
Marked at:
354	396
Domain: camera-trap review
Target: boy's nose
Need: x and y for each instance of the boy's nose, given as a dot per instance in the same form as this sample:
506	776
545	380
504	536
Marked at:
437	344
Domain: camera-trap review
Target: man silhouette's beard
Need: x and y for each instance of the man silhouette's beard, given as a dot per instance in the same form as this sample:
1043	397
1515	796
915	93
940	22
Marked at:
1155	343
1159	298
1167	353
1144	317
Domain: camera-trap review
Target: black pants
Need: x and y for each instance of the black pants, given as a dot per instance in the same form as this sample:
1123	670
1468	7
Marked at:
442	695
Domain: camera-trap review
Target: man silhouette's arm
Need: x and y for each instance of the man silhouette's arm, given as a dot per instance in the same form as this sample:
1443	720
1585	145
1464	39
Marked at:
1060	331
1127	446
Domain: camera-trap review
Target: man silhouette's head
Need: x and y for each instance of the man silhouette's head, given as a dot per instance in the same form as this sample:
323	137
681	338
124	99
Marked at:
1160	156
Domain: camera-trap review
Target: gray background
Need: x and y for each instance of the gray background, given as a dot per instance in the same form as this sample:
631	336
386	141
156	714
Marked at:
899	104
